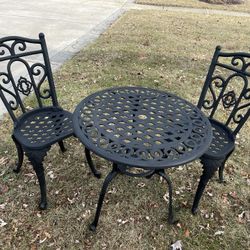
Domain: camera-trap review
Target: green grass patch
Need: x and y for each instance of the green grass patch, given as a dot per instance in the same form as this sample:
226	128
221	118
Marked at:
155	49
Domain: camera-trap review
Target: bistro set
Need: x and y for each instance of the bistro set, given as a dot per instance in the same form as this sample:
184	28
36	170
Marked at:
132	127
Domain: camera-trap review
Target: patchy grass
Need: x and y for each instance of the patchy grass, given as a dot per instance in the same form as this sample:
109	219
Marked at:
244	7
149	48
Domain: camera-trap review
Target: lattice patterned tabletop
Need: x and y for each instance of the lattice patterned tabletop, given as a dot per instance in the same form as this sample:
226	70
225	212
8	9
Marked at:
142	127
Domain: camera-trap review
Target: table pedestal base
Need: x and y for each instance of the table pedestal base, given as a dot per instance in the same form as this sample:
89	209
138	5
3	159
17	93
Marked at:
124	170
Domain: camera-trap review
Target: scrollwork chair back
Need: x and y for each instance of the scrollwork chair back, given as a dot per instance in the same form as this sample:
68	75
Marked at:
227	89
19	53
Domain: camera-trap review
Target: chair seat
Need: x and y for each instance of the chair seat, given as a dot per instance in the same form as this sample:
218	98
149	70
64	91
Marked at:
223	141
43	127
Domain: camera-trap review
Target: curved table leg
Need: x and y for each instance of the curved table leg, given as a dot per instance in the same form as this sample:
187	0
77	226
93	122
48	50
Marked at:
106	182
96	173
171	219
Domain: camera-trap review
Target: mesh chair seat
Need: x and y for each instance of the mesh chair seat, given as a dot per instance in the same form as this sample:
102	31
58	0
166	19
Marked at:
43	127
223	141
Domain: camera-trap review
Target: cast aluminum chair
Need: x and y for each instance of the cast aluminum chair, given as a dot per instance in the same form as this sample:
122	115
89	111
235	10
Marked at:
37	129
226	99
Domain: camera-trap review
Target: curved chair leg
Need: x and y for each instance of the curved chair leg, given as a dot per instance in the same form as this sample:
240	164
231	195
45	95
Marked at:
171	219
36	158
221	168
209	168
63	149
96	173
20	155
106	182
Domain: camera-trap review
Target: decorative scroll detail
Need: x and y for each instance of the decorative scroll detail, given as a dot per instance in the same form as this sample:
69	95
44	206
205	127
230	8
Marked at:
39	70
229	99
4	49
24	86
142	127
240	63
241	110
17	47
14	49
216	82
4	80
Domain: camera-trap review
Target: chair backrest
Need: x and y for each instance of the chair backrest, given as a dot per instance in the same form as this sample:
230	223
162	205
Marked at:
226	92
25	69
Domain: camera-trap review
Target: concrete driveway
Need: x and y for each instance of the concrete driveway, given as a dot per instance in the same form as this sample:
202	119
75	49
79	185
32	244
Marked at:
67	24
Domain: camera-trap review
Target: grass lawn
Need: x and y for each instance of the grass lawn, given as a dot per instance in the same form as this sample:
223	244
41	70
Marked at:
148	48
245	7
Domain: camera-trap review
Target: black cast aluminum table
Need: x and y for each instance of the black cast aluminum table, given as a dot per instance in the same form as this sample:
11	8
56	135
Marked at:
136	127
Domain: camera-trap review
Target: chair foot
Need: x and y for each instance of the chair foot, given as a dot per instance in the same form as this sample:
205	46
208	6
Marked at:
194	210
43	205
16	169
222	181
92	227
172	220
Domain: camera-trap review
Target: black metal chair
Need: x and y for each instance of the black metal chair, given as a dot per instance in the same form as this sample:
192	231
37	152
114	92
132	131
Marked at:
25	69
225	98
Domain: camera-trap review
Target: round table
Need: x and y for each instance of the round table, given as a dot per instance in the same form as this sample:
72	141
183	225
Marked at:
143	128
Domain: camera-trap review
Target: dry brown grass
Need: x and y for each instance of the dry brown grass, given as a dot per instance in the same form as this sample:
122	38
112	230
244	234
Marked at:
244	7
142	46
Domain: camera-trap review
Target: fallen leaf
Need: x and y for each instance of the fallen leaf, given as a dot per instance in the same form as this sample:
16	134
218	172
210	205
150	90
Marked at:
219	232
33	247
25	205
3	160
209	194
2	223
187	233
41	241
177	245
2	206
3	188
166	196
47	235
141	184
233	195
179	225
